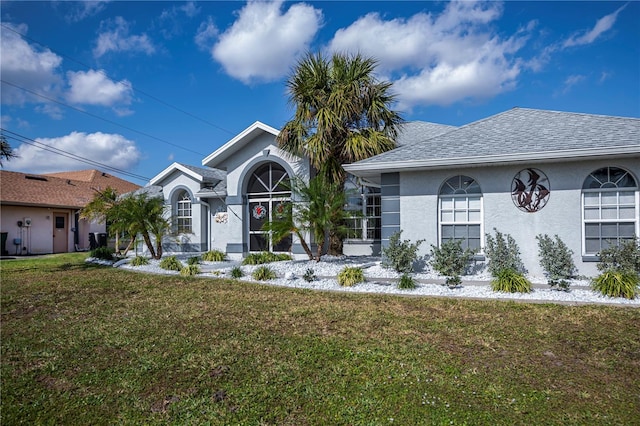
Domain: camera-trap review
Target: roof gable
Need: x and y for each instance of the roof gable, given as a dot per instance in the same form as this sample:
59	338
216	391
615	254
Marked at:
237	143
200	174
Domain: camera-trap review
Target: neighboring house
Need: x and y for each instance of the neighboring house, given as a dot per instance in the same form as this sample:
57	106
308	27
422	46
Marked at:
524	172
40	213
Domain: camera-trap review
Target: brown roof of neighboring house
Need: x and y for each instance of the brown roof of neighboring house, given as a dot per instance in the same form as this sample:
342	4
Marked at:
66	189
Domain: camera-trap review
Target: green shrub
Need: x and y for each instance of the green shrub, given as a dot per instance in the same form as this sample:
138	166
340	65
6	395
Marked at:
400	255
263	273
190	270
510	281
617	283
264	257
214	256
451	260
406	282
309	275
503	253
104	253
624	256
194	260
236	272
139	261
171	263
557	261
350	276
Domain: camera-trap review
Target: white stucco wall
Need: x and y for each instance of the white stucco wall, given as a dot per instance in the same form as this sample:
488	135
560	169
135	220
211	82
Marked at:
562	215
38	238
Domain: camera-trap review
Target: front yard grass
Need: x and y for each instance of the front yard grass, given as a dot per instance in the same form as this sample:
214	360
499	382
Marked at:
85	344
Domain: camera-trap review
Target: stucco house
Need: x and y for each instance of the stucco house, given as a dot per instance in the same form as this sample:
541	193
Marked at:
40	213
523	172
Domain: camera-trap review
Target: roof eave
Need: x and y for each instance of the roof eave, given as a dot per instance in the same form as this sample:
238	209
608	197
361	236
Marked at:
173	167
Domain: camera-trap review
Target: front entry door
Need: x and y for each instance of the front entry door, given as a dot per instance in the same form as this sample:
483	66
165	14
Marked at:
60	236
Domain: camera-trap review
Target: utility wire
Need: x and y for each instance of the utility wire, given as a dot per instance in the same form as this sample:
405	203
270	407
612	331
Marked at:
23	139
100	118
24	36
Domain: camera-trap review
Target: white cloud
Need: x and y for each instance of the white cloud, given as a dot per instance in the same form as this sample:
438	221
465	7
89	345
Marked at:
25	66
206	34
110	149
115	37
571	81
439	59
95	88
84	9
171	19
603	25
264	41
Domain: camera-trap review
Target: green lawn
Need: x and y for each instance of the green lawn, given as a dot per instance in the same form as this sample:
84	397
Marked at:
84	344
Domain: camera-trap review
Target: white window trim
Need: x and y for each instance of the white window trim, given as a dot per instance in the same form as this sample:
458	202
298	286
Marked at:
185	198
478	222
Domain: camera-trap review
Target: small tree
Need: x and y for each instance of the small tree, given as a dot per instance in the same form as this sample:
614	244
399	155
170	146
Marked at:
400	255
505	264
451	260
503	253
556	260
6	152
624	256
319	209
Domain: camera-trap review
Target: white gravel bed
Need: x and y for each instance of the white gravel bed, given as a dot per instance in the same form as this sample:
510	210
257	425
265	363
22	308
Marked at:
474	286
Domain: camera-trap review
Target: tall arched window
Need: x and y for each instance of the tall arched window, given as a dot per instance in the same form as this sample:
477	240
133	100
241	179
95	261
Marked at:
183	213
267	198
460	212
610	208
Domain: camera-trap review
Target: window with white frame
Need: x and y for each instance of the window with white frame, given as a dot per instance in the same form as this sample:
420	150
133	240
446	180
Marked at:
460	212
183	213
366	221
610	208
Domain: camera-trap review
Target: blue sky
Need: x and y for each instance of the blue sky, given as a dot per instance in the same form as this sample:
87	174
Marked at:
137	85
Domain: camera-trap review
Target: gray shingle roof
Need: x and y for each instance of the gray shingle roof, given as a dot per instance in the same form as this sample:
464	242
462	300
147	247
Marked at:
413	132
209	173
516	134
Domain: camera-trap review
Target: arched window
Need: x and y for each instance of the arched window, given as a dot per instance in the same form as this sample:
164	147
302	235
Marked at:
610	208
460	212
267	197
183	213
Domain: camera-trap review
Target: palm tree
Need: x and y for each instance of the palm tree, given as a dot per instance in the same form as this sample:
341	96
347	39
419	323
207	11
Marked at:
318	208
342	114
133	214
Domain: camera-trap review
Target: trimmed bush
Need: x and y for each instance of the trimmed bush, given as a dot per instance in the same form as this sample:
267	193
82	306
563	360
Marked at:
400	255
171	263
190	270
557	261
214	256
406	282
104	253
350	276
263	273
194	260
503	253
510	281
309	275
624	256
265	257
139	261
617	283
236	272
451	260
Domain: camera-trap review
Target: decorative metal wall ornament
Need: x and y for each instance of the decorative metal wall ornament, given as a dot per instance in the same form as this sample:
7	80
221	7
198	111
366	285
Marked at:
530	190
259	212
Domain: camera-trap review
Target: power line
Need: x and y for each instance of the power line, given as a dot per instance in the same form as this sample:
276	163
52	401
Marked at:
100	118
23	139
24	36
